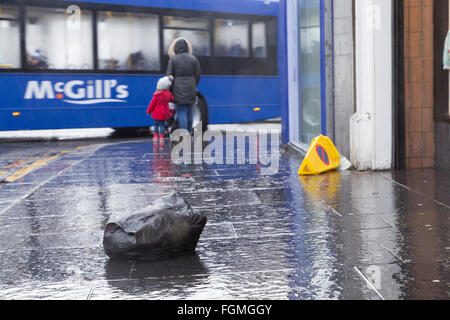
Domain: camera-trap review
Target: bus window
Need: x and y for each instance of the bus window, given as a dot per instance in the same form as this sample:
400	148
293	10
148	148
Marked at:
185	23
128	41
231	38
9	38
198	39
259	46
193	29
55	42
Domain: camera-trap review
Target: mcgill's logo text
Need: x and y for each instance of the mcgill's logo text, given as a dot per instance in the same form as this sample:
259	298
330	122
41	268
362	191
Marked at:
78	91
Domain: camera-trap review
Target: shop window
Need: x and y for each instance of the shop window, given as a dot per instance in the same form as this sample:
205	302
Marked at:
193	29
9	38
448	52
259	45
53	43
441	71
231	38
128	41
310	70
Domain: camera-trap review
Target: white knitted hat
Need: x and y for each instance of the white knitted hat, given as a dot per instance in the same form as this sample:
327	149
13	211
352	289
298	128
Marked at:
164	84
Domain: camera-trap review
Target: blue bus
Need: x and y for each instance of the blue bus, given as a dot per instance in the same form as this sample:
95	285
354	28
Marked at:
95	63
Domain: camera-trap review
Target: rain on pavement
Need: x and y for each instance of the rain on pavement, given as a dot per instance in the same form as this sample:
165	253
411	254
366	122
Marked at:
341	235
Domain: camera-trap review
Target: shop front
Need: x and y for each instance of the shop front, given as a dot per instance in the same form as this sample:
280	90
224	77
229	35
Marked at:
307	70
426	64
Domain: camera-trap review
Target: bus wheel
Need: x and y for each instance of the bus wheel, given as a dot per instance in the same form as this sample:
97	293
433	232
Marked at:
201	113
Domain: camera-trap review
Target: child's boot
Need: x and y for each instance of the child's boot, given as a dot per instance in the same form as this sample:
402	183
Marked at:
161	137
155	137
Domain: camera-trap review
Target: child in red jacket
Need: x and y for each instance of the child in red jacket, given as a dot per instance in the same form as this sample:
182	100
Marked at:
159	107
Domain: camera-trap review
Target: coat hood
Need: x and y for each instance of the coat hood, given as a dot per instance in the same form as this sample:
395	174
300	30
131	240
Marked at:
180	45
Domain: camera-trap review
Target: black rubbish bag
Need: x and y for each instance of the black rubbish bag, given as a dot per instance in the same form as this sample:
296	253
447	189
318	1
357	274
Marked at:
167	228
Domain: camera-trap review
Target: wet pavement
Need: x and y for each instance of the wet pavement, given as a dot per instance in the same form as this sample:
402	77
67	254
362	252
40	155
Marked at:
341	235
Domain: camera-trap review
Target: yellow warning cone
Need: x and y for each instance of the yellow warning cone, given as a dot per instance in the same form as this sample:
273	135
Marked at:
322	156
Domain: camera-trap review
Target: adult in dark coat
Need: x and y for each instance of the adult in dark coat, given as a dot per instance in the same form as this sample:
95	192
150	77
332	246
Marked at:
185	70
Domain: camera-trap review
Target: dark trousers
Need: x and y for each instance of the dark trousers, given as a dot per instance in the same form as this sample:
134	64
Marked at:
185	115
160	126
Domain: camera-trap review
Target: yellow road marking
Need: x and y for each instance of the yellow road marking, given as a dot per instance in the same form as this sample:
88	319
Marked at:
28	168
18	163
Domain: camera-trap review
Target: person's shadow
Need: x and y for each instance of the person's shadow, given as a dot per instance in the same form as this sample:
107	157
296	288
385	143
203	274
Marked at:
172	276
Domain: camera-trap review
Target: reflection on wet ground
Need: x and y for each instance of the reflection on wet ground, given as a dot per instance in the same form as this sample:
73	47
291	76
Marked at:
342	235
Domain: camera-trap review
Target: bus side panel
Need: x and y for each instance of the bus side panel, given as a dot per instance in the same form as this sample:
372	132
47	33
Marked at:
241	99
55	101
50	101
74	119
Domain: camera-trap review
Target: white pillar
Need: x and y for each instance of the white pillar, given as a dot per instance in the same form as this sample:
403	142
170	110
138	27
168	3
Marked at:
371	125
